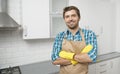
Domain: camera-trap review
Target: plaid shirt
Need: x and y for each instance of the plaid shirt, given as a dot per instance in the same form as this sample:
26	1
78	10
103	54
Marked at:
90	38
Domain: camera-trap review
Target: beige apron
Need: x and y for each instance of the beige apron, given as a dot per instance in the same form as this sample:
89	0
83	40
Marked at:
76	47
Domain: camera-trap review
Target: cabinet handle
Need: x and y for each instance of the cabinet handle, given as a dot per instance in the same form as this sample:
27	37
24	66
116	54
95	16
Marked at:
103	71
102	65
111	64
25	30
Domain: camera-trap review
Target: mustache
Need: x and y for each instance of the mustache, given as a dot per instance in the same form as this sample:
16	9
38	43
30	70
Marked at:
71	21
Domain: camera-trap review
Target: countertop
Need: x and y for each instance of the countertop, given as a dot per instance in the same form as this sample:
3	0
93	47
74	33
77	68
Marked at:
107	56
46	67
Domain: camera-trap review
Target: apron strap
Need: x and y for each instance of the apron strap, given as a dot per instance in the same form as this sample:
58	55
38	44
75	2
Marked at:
82	35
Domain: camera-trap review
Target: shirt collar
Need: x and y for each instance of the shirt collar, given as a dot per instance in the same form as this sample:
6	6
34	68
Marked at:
69	33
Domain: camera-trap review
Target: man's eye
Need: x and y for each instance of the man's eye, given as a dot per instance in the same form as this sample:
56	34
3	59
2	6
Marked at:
67	16
74	15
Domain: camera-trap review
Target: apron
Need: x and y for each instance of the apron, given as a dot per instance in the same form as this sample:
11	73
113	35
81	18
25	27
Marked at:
76	47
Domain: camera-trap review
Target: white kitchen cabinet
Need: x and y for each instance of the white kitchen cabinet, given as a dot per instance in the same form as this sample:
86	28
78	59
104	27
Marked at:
111	66
57	25
56	16
33	15
35	19
103	67
92	69
56	6
114	66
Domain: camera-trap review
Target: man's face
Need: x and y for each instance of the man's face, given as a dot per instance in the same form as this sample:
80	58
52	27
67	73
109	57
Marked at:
71	19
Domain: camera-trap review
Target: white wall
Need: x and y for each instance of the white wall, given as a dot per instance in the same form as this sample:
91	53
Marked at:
0	6
118	26
16	51
99	15
3	5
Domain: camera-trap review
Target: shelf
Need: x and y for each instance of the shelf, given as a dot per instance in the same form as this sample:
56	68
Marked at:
56	16
57	25
56	6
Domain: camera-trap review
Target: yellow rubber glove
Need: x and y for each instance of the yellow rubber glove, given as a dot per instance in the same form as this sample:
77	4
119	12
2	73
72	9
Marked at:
74	62
67	55
87	49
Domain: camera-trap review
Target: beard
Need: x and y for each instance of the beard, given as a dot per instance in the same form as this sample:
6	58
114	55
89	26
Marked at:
72	25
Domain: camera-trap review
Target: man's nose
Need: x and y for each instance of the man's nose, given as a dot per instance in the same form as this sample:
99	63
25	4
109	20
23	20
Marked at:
70	18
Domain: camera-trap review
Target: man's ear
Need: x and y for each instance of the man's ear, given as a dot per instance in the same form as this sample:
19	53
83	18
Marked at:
79	19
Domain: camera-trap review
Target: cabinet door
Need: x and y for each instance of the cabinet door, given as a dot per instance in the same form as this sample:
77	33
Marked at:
56	17
108	67
57	25
115	66
91	69
35	19
103	67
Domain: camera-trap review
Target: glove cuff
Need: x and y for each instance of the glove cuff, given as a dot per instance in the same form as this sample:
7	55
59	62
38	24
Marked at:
74	62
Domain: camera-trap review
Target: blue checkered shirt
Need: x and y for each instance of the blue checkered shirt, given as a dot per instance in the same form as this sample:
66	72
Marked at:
90	38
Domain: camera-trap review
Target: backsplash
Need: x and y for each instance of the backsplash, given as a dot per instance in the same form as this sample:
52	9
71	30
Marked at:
16	51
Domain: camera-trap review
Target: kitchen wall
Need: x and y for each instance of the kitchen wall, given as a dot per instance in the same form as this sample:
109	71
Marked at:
16	51
100	16
118	26
3	5
0	6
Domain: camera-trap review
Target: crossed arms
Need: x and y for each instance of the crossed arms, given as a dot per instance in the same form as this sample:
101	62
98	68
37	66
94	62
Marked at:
67	58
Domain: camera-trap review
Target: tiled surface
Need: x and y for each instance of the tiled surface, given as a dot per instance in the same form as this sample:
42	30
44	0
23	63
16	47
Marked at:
16	51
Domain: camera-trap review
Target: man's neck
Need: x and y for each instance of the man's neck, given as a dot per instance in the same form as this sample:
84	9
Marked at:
73	31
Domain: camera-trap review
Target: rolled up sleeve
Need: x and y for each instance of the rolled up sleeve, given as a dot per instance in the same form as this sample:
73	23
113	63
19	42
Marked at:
93	41
57	47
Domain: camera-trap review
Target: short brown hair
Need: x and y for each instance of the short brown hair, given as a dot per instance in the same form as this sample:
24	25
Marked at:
71	8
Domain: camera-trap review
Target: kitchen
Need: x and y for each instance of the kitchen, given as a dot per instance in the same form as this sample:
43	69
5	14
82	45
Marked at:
26	44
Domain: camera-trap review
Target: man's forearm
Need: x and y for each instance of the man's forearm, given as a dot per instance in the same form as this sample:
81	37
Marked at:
82	58
61	61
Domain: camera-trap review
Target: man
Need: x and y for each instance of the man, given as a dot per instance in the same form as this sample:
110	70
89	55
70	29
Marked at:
69	44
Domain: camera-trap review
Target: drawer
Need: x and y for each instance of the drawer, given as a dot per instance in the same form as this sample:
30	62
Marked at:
103	65
103	71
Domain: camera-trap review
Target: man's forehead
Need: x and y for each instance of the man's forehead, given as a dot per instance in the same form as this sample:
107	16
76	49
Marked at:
70	12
